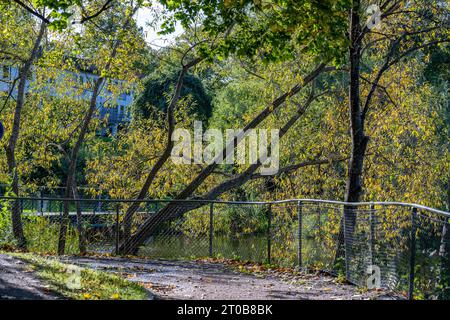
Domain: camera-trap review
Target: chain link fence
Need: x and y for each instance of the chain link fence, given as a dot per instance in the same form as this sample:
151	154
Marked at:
401	247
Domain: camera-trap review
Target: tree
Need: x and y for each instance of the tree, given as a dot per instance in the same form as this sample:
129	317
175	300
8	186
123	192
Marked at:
174	210
401	35
160	83
109	67
242	29
61	13
25	57
45	12
185	66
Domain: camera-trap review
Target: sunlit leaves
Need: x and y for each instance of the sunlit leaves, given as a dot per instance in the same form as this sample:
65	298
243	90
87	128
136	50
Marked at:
267	29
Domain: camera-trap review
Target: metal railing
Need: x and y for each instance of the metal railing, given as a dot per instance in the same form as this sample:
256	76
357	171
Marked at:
398	246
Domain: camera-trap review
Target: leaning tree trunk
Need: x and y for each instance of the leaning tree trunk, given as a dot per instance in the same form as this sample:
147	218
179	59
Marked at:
10	148
128	219
174	210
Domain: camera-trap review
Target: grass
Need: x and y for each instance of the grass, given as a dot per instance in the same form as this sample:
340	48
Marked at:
77	283
42	236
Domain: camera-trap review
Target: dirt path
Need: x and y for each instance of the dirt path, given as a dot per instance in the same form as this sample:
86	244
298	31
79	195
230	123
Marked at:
17	281
212	281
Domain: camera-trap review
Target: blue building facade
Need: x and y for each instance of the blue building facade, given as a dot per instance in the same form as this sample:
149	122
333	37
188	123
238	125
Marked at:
114	110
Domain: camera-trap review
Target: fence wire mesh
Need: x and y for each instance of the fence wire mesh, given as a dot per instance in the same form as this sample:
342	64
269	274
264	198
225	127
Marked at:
396	247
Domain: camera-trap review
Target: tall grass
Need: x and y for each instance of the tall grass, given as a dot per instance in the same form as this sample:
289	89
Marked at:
6	233
42	236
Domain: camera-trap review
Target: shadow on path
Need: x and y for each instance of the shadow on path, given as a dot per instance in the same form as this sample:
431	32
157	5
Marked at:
16	282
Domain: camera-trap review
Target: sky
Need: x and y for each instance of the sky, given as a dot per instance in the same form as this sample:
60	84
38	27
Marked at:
144	16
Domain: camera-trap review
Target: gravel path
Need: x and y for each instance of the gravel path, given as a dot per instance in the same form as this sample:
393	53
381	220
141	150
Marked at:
213	281
17	281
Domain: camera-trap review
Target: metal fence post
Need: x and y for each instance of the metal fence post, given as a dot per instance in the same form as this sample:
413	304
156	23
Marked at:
372	233
412	258
299	234
211	228
269	233
41	203
117	229
96	206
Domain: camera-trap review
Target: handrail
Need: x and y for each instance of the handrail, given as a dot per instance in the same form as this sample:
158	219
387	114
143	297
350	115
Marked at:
372	203
352	204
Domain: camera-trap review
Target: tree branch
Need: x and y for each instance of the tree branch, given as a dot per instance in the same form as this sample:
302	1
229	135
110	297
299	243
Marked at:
32	11
389	63
9	93
108	4
294	167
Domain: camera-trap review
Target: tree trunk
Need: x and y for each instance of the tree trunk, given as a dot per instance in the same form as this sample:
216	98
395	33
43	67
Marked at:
444	251
73	164
80	229
10	148
353	190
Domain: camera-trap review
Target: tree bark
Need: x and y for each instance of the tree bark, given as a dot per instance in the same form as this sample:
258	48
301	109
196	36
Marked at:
10	148
80	229
353	190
